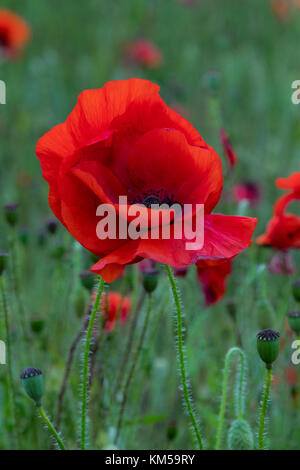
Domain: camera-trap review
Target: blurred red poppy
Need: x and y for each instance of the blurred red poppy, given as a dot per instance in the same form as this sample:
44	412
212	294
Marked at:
283	230
144	53
291	375
228	149
247	191
14	33
212	275
280	9
122	140
114	308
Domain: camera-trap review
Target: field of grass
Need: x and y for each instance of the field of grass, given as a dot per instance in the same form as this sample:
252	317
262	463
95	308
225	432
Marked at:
80	45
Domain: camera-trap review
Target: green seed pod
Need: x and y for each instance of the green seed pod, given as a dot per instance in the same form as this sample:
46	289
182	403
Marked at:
294	321
3	261
11	212
33	383
150	281
88	280
296	290
240	436
268	343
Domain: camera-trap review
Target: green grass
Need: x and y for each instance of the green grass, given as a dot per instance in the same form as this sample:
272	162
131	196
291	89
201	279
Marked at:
76	46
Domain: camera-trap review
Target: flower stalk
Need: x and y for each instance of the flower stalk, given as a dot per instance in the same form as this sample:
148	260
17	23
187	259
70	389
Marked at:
181	358
86	355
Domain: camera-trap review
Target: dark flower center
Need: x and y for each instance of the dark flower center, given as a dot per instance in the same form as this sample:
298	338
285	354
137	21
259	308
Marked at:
152	197
3	40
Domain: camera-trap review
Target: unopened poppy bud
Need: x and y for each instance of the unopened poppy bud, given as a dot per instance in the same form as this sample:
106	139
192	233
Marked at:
268	342
296	290
150	281
240	436
11	212
33	383
3	261
88	280
52	226
294	321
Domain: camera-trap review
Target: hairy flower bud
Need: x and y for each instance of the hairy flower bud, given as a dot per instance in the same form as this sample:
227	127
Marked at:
240	436
268	342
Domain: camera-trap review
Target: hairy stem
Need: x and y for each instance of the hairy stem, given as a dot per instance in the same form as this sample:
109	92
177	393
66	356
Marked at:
86	364
132	369
129	344
240	394
263	410
12	394
72	351
51	428
181	358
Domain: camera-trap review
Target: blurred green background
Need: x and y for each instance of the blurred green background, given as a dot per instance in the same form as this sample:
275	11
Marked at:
80	45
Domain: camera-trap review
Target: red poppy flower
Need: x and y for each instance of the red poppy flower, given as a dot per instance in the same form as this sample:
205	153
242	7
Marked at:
283	230
122	140
247	191
114	308
212	275
14	33
227	147
144	53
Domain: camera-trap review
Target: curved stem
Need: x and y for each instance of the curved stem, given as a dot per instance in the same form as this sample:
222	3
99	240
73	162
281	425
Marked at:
240	398
181	358
9	364
85	377
263	411
133	366
51	428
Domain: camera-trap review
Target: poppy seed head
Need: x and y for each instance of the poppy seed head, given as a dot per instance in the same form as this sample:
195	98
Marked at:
30	372
268	335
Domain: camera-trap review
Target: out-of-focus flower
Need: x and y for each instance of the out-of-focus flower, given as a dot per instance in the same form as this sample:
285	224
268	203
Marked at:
291	376
283	230
115	308
123	140
247	191
147	265
212	275
296	3
14	33
180	272
144	53
280	9
281	263
227	148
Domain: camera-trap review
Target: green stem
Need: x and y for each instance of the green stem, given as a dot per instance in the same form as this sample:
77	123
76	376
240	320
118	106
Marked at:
51	428
133	366
8	358
86	364
181	358
240	395
16	282
263	411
